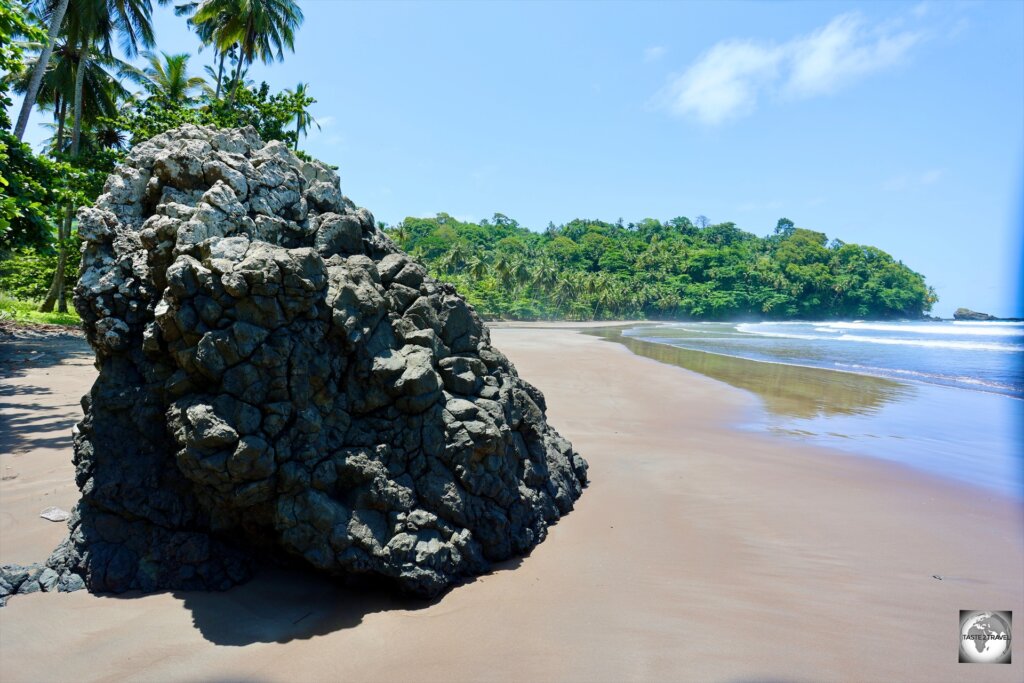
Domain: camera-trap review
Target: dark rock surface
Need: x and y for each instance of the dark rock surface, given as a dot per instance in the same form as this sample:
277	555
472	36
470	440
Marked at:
968	314
276	377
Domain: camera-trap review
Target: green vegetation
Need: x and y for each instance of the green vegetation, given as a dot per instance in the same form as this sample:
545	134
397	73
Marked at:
22	311
59	55
588	269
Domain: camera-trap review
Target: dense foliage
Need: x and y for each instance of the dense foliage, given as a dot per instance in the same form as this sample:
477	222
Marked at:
271	114
97	118
588	269
25	181
26	272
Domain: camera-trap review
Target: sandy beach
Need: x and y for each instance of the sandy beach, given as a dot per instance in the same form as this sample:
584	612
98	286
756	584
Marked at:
699	552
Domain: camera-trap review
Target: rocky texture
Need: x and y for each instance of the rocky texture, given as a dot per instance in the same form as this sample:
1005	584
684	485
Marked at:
276	377
968	314
18	580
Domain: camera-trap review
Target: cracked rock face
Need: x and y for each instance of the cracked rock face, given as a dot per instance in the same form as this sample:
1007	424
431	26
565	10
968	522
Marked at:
276	377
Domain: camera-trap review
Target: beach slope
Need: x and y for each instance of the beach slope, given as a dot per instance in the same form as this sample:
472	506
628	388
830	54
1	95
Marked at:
699	552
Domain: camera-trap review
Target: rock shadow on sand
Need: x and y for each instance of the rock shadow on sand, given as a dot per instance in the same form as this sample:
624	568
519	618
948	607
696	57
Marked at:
281	604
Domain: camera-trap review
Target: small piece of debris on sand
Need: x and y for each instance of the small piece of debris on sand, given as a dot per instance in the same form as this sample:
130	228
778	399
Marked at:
55	514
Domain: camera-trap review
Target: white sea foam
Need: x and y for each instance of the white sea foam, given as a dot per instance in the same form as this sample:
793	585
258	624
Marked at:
751	328
988	323
927	328
928	376
934	343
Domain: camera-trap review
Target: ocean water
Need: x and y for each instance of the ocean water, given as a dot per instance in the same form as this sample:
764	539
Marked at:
945	397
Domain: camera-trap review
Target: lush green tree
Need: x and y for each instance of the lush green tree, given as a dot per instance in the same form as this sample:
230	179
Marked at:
32	187
589	269
260	28
302	116
271	114
93	26
166	78
209	33
54	13
784	227
102	91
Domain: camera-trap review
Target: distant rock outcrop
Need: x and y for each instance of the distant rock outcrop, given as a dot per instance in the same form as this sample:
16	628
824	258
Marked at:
276	377
968	314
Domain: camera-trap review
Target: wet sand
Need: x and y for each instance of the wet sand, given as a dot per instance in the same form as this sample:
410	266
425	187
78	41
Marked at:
699	552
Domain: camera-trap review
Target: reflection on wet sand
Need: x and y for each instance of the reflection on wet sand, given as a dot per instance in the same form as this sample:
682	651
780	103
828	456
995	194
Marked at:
786	390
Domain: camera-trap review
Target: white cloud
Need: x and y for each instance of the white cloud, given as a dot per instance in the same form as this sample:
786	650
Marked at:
840	52
654	53
727	80
724	82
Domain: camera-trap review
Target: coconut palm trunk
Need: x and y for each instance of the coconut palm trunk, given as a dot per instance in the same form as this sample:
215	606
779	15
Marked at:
40	69
234	86
220	74
62	111
56	293
76	131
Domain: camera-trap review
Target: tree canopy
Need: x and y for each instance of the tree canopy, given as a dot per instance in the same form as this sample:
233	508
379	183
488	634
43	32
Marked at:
60	56
590	269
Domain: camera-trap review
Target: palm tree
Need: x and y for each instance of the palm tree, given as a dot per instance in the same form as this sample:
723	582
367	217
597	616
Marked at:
453	259
56	14
261	28
545	273
504	269
208	32
566	289
102	91
521	271
96	136
603	292
94	24
302	116
167	77
477	268
398	234
242	80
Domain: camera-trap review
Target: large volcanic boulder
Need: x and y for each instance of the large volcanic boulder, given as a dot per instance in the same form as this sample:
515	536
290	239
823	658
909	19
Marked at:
276	377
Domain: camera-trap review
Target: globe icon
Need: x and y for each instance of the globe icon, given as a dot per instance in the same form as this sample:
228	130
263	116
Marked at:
984	638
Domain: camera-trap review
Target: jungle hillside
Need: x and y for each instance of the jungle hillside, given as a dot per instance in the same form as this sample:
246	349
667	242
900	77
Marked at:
675	269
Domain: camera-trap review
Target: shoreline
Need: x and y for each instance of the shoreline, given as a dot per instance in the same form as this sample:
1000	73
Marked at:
907	379
699	551
960	433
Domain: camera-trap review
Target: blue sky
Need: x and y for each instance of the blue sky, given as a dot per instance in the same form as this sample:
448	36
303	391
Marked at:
892	124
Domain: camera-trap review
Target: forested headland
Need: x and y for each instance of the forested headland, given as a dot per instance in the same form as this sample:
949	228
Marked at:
590	269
